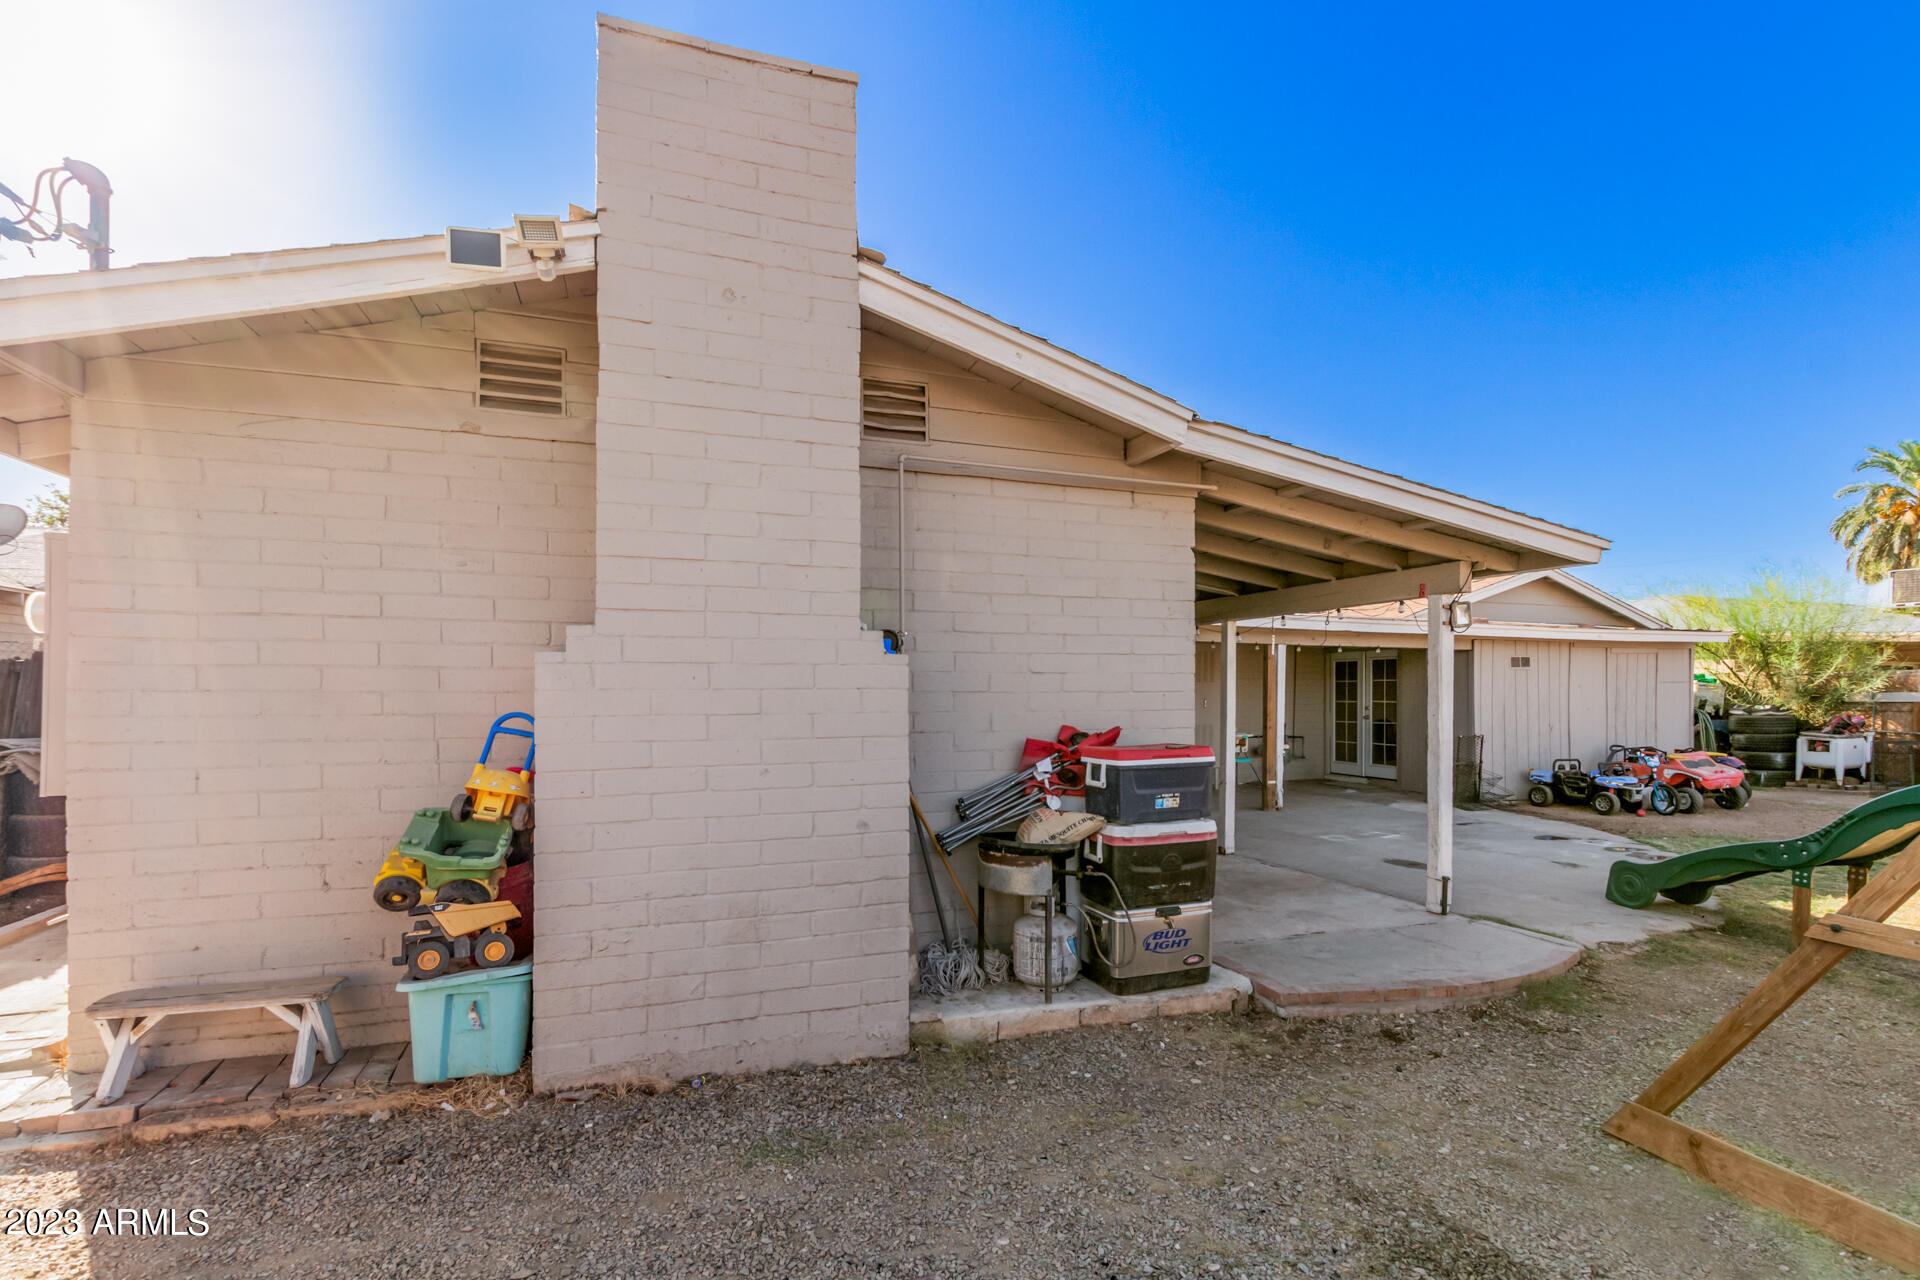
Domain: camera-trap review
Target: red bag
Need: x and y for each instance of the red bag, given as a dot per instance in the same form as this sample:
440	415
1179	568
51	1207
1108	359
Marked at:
516	886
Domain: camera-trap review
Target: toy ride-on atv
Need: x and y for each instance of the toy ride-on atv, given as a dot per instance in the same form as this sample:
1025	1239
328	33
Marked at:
449	933
500	794
1693	775
1604	791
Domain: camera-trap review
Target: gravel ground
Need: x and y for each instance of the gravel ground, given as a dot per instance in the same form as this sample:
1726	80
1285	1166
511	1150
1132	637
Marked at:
1459	1144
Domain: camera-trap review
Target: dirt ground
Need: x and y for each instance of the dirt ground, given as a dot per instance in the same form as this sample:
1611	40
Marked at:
1774	813
1465	1143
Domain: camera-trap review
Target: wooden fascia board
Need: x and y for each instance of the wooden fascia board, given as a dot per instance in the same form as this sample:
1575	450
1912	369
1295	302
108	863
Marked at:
49	364
952	324
1287	464
87	303
1295	505
1226	569
1319	597
1145	448
1273	557
1307	539
43	438
1298	630
1337	638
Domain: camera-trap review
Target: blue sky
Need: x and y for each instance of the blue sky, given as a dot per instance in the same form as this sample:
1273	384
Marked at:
1648	271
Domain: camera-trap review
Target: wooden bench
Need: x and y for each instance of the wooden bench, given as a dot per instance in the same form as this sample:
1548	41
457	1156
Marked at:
124	1018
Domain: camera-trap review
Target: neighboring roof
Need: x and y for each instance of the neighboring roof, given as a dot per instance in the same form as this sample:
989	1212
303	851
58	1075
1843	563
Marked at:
57	308
23	563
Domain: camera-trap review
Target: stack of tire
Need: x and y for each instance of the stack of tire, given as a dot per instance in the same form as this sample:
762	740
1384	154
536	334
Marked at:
1764	741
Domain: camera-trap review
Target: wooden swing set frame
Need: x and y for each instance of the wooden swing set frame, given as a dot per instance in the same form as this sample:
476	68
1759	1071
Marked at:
1647	1122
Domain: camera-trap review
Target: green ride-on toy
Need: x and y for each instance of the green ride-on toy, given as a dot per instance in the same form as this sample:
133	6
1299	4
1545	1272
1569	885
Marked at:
438	854
455	854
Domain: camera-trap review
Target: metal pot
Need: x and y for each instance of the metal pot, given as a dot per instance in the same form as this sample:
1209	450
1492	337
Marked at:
1025	875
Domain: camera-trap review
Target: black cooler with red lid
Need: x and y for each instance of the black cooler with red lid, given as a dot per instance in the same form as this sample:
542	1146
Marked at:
1162	782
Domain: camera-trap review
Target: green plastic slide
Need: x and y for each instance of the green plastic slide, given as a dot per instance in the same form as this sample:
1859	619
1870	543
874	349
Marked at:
1879	827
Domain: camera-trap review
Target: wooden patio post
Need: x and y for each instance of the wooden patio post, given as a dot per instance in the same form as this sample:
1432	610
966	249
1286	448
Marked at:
1274	761
1229	691
1439	756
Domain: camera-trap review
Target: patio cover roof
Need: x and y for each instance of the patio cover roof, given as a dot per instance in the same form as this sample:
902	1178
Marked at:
1409	618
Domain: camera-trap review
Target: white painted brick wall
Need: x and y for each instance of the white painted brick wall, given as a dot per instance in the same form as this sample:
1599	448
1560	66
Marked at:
1031	606
289	630
723	782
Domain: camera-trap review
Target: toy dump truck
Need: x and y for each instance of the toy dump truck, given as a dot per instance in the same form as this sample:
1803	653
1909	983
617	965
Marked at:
446	934
497	794
438	854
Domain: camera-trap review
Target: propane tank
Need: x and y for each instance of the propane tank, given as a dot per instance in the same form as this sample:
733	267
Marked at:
1030	945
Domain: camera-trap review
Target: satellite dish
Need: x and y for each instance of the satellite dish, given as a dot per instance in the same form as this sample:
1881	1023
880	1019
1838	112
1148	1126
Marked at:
12	520
35	611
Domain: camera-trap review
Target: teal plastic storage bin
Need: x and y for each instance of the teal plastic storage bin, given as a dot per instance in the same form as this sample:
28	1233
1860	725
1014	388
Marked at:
470	1024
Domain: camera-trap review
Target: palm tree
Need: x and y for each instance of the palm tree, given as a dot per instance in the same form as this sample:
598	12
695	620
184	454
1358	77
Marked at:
1881	530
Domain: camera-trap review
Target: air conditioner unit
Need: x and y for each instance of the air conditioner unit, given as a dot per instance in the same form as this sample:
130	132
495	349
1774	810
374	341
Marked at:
1906	588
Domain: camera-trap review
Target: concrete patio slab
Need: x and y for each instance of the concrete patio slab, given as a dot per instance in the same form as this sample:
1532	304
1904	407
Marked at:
1523	868
1311	945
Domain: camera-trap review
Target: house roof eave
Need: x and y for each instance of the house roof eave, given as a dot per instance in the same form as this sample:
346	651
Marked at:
82	304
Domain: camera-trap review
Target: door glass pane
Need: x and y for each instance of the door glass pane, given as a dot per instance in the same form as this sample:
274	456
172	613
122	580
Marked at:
1386	719
1346	711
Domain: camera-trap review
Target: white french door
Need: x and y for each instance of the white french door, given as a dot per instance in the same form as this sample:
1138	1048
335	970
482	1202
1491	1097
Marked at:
1364	720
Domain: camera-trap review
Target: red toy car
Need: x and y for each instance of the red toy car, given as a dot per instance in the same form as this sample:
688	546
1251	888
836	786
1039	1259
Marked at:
1693	775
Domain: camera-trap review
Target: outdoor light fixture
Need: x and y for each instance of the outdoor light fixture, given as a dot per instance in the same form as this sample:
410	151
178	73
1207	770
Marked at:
1459	614
539	235
476	248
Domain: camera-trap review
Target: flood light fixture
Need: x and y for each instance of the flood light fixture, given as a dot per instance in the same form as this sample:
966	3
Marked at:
539	234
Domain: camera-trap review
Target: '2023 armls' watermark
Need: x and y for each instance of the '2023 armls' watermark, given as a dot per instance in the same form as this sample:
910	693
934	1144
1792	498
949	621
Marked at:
104	1222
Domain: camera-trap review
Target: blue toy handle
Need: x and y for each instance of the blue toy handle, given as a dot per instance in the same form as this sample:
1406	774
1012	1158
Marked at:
499	727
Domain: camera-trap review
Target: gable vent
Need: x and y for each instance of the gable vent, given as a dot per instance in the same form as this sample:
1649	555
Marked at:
523	379
1520	662
1906	587
893	410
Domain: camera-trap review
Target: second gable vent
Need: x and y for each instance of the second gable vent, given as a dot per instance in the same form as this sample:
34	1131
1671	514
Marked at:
521	378
893	410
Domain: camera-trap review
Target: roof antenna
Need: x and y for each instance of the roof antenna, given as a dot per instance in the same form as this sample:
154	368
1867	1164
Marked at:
44	219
